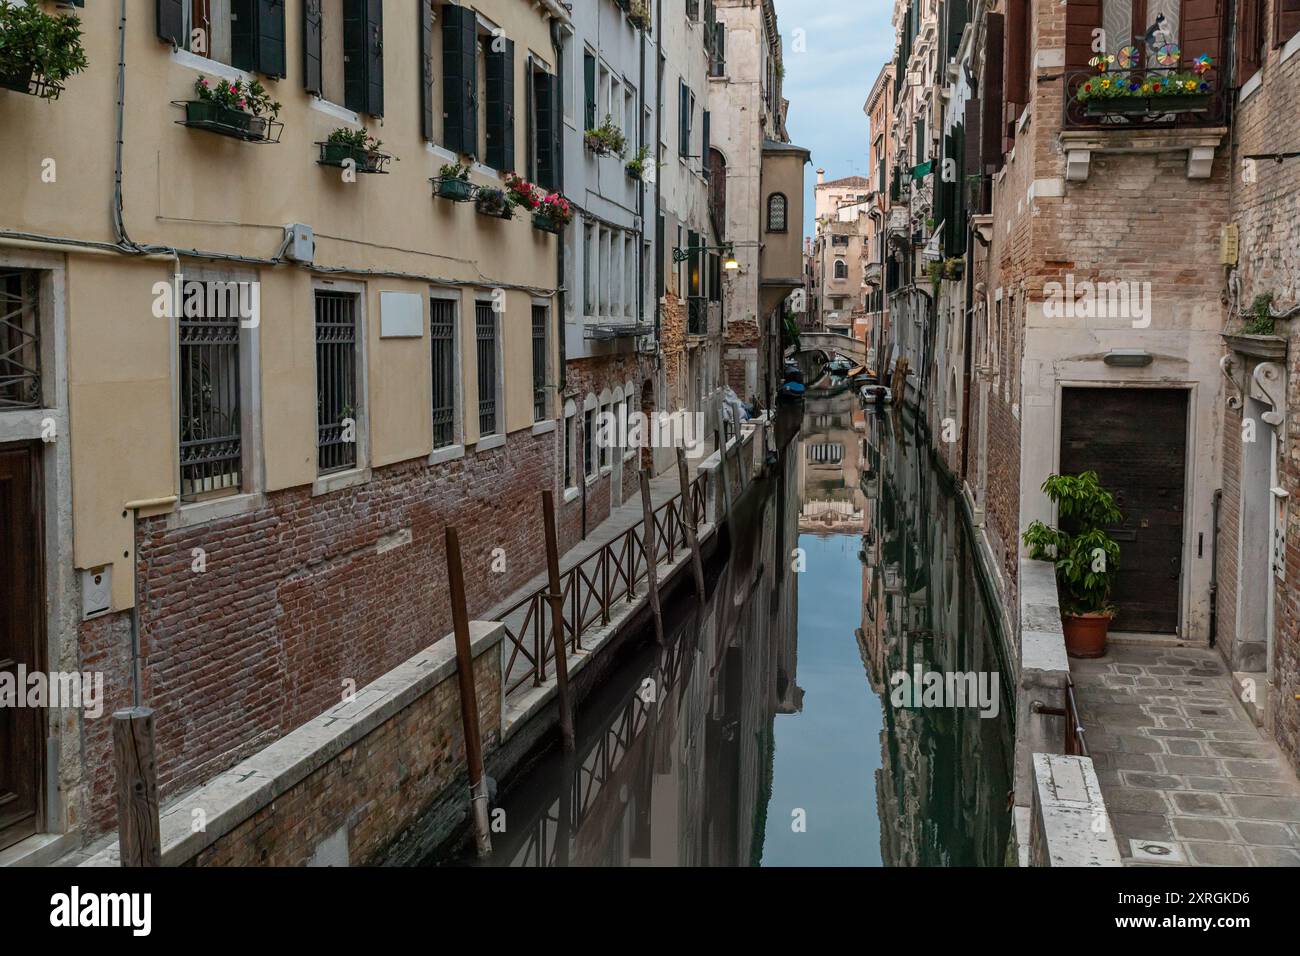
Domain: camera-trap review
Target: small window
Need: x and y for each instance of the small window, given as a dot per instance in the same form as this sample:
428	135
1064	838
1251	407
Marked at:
337	431
540	313
570	422
20	343
487	335
841	269
589	442
442	347
776	212
211	452
605	439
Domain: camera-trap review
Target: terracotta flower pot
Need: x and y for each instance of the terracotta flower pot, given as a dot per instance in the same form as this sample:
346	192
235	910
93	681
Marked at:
1085	634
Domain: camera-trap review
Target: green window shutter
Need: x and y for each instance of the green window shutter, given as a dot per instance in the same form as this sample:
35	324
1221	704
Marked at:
704	144
426	69
170	22
660	272
544	111
363	66
501	106
311	48
243	34
257	36
460	80
589	76
684	120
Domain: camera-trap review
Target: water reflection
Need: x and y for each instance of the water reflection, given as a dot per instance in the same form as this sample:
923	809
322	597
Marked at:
764	732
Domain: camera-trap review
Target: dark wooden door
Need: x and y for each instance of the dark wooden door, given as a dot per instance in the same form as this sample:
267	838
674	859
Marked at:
21	558
1135	439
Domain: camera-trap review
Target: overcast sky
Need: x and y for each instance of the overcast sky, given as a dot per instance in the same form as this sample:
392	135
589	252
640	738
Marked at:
833	51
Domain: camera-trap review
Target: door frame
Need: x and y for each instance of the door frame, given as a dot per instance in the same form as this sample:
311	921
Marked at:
1187	555
59	644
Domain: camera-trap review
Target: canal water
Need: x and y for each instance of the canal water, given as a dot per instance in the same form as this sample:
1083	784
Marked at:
774	727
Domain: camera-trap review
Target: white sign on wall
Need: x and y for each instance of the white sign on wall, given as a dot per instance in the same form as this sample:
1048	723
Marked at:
401	315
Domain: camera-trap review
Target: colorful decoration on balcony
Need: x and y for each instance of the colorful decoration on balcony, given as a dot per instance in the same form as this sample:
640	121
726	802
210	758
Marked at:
1167	54
1128	57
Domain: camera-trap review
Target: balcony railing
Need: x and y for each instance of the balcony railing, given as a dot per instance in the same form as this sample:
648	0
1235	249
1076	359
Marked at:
1155	97
697	315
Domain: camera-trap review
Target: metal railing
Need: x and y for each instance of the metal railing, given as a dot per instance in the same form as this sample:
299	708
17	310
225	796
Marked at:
1076	742
591	589
1155	109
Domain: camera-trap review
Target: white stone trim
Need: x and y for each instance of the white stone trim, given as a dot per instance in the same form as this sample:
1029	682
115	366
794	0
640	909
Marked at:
543	427
341	113
489	442
1251	85
326	484
446	453
1290	47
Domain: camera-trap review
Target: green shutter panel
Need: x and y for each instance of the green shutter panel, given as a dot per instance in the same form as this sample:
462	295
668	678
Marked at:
684	120
170	22
704	144
363	56
268	28
660	271
589	76
501	106
311	48
375	57
460	80
544	111
426	69
530	123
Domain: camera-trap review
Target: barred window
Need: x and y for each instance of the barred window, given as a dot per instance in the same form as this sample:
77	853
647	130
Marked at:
442	346
605	436
485	322
336	381
20	343
211	452
570	422
589	442
539	362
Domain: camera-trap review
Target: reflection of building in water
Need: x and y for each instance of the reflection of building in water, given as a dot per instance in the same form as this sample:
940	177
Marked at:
943	770
832	502
674	753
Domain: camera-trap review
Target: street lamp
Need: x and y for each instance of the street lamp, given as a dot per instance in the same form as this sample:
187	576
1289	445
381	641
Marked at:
730	263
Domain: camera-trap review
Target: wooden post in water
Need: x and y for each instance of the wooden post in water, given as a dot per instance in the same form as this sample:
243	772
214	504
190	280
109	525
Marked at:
722	459
139	836
557	620
649	547
478	797
688	506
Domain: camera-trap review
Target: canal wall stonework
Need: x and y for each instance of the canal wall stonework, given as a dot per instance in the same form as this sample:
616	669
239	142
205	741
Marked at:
343	788
303	599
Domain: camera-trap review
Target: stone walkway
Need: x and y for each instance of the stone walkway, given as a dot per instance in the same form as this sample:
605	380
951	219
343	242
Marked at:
1187	777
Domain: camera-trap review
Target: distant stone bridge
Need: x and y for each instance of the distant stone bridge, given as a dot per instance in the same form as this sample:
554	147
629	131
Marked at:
832	343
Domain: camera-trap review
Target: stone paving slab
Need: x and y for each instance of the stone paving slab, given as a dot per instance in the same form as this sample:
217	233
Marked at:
1187	777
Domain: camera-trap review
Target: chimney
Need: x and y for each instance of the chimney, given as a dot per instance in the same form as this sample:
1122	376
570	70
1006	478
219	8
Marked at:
821	177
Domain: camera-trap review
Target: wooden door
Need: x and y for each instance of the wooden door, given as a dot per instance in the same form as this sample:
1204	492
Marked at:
1136	441
21	558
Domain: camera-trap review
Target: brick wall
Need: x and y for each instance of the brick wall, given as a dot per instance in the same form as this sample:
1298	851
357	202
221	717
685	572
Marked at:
376	788
297	598
1267	213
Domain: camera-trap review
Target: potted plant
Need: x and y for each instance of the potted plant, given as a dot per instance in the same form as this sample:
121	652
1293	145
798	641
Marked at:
606	139
553	213
491	201
636	165
954	268
639	14
523	193
354	144
38	51
1146	93
233	108
453	183
1085	557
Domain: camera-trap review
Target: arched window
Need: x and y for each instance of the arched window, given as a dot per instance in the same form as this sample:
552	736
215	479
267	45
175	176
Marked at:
841	269
776	206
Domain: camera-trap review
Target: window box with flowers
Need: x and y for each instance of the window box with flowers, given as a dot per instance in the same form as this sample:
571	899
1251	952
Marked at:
490	201
452	182
239	109
38	51
636	166
1152	92
606	139
356	145
639	13
552	214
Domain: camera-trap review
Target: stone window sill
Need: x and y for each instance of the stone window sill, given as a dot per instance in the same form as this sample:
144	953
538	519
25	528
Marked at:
1199	143
447	453
488	442
326	484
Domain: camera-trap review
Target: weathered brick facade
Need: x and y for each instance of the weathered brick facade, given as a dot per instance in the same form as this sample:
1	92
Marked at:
1266	210
302	596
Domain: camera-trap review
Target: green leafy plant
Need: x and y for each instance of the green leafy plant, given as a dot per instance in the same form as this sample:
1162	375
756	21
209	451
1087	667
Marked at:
1135	85
637	164
935	271
606	139
1262	310
492	201
245	97
639	13
354	139
454	171
38	45
1085	556
523	193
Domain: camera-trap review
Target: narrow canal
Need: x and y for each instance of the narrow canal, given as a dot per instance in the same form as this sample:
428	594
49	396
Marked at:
774	728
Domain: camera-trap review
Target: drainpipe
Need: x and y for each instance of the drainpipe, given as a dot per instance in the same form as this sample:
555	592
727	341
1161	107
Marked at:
1214	568
640	190
562	377
659	138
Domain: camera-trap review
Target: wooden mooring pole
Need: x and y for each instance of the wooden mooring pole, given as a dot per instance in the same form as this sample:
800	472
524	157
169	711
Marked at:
478	796
688	511
649	547
722	459
557	620
139	836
